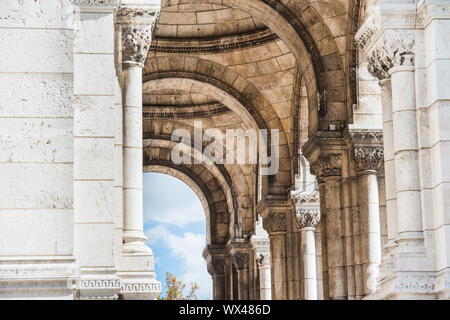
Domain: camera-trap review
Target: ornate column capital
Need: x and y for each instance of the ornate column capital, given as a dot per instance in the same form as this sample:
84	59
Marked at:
138	25
307	218
241	260
368	158
216	259
328	165
275	222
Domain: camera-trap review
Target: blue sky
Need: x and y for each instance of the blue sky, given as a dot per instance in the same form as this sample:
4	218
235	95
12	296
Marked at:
174	223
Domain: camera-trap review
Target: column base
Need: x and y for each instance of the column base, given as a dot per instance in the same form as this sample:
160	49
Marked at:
53	278
99	284
137	273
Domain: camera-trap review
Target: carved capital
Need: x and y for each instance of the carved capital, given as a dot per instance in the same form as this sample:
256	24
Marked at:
328	165
135	44
397	48
216	266
138	15
368	158
241	260
307	218
275	222
263	260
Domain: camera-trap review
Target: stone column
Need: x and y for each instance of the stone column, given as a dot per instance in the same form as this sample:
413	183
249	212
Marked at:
265	290
261	245
93	148
241	253
216	257
307	220
137	24
327	168
367	160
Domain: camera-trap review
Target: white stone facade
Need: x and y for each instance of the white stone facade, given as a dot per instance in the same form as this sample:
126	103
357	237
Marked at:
359	90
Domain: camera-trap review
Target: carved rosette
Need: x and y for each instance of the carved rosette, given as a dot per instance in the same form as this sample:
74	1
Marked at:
396	49
307	218
368	158
241	260
326	166
275	222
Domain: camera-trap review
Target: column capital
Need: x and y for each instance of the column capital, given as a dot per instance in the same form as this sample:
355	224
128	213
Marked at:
216	258
327	165
241	260
275	222
366	149
263	260
138	26
307	218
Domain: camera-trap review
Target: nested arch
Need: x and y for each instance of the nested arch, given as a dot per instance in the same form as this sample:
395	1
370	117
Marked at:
229	88
310	40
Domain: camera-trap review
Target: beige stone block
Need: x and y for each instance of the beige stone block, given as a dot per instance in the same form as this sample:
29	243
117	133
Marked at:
94	116
94	74
94	201
94	244
95	33
94	158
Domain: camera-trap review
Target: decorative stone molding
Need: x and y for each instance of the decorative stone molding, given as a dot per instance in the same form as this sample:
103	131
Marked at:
307	218
275	222
141	288
366	36
368	158
135	44
328	165
138	15
99	289
96	3
301	199
429	10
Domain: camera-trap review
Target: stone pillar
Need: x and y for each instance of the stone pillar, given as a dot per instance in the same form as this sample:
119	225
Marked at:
391	53
216	257
367	159
241	253
261	244
137	25
94	75
327	167
265	290
274	214
307	220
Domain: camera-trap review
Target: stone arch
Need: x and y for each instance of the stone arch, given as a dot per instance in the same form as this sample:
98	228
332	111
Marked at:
230	89
212	179
306	35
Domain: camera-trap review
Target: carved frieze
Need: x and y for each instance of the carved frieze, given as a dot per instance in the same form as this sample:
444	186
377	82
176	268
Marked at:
307	218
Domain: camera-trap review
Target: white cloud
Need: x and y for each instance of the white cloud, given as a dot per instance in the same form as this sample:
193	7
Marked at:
188	248
177	215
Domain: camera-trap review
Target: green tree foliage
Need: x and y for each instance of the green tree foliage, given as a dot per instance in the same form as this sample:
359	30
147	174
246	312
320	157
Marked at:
176	289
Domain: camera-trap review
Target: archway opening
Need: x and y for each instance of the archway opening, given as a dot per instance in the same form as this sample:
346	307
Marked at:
175	225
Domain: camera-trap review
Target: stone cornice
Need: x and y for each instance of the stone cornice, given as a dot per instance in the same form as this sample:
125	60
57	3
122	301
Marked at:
219	45
429	10
307	218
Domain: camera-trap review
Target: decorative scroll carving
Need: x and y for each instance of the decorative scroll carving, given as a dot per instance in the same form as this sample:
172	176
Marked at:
368	158
135	44
307	218
275	222
327	166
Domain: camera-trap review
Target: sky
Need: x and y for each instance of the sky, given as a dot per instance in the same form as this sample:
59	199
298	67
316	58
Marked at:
174	223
